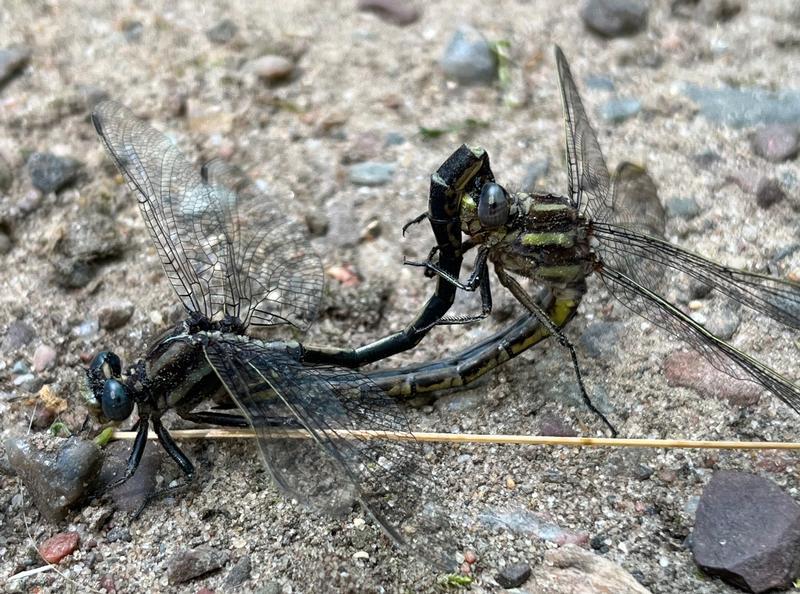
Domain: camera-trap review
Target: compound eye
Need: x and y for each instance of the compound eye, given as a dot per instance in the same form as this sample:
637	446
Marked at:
117	405
493	206
106	364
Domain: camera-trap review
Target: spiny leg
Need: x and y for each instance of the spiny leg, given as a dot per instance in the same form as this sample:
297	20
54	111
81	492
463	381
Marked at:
522	296
135	457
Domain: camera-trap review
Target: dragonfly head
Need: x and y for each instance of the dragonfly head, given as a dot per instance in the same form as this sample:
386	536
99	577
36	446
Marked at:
104	377
491	212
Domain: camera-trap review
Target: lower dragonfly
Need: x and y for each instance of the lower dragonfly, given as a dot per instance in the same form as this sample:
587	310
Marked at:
611	226
236	262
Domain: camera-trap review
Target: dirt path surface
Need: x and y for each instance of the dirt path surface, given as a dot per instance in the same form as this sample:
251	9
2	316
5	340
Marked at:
359	90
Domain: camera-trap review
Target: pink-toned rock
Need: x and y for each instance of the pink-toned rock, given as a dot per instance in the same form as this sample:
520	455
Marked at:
54	549
43	358
570	569
690	370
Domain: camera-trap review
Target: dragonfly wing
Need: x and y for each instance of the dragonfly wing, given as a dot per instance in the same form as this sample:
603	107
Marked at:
226	248
172	198
589	181
723	356
335	467
647	261
636	203
275	276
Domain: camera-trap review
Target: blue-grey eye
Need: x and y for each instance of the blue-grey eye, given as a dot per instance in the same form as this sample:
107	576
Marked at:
116	402
105	364
493	206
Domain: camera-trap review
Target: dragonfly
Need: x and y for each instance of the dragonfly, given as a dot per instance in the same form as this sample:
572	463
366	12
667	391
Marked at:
237	263
610	226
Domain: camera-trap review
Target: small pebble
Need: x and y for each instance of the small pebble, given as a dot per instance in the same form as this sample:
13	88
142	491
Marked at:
44	357
371	173
222	32
615	18
271	68
777	142
682	207
118	533
18	334
769	192
189	564
50	173
132	30
12	61
239	573
468	58
616	111
114	314
513	576
54	549
398	12
471	557
599	83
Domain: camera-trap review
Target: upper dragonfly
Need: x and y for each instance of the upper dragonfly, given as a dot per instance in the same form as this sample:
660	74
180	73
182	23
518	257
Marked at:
611	226
236	262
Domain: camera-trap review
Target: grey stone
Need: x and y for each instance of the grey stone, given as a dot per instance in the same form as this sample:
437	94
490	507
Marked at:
12	61
132	30
468	58
682	207
56	474
744	107
371	173
747	531
222	32
769	192
18	334
776	142
599	83
620	109
615	18
50	173
512	576
398	12
190	564
239	573
600	338
114	314
83	247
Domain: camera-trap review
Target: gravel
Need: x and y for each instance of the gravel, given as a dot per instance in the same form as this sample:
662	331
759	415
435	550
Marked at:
355	74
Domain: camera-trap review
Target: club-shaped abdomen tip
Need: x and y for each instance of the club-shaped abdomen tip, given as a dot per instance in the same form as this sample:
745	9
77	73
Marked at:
116	403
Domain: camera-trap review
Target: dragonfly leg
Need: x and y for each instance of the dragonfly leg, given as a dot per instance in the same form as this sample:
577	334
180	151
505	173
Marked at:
135	456
522	296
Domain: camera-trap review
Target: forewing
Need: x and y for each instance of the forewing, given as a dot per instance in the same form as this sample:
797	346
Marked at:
180	211
275	277
335	467
589	181
723	356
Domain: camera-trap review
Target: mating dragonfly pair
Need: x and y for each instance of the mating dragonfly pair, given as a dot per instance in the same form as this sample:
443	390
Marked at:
236	263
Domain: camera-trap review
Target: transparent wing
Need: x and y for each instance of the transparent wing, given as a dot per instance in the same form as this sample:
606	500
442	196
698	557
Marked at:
589	181
217	264
275	276
336	468
639	298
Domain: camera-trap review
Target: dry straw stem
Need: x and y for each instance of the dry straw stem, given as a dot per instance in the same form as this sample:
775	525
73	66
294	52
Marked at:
483	438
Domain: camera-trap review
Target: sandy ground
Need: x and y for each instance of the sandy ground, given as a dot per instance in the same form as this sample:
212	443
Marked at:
358	78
